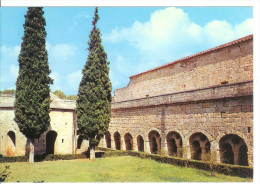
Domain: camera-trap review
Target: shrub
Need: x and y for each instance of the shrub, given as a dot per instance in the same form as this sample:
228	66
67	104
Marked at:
210	165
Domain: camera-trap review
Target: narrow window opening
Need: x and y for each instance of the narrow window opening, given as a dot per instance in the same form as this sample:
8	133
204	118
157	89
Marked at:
249	129
222	113
62	140
224	82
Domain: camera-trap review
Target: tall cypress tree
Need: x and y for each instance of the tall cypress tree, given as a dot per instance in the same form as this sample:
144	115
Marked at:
32	102
94	96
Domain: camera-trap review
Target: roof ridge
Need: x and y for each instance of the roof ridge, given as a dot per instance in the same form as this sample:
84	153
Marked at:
245	38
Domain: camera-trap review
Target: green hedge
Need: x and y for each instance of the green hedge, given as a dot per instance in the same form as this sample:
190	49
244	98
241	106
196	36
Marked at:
43	157
234	170
13	159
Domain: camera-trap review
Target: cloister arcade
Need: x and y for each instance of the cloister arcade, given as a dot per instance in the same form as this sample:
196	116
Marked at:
231	148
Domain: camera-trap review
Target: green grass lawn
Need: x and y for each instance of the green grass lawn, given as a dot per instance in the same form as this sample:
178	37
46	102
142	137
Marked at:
112	169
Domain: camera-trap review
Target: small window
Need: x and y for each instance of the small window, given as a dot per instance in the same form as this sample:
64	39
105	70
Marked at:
224	82
62	140
249	129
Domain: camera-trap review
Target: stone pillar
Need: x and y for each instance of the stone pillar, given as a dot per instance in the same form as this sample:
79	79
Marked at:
179	151
215	148
203	150
165	147
113	144
186	148
123	144
147	146
135	146
236	154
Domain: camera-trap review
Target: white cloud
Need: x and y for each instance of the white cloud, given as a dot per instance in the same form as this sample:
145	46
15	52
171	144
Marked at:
10	51
245	28
56	77
169	32
63	51
73	79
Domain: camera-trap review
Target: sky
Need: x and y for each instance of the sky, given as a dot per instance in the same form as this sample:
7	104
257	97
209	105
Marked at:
135	39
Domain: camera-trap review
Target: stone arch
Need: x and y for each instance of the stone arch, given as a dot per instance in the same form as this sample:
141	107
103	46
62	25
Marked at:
174	144
117	139
128	141
80	141
199	144
154	141
140	143
50	141
108	140
233	150
11	143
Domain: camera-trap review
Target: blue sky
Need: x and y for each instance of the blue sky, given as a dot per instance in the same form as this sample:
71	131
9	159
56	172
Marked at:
136	39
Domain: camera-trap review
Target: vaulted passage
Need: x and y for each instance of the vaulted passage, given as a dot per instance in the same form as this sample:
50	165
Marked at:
140	143
233	150
199	144
154	141
50	142
128	141
174	144
117	139
11	144
108	140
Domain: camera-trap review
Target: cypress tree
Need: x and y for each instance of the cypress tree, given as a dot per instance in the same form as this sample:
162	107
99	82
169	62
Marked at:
94	95
32	102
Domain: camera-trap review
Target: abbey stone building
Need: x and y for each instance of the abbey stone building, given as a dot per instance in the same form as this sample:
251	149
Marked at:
195	105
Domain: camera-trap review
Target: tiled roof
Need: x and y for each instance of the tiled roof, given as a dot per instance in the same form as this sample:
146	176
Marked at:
243	39
57	103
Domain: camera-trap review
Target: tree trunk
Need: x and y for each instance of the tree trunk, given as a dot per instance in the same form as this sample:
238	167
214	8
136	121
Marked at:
31	151
92	153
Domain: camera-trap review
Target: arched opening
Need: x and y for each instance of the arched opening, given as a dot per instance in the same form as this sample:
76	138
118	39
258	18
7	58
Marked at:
117	139
199	144
172	147
11	144
108	140
140	143
243	155
233	150
228	155
79	142
196	150
11	136
128	141
174	144
155	141
50	142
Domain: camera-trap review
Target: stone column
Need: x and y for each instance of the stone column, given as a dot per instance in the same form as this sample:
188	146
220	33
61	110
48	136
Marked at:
215	148
135	146
123	144
236	154
147	147
179	151
165	147
113	144
203	150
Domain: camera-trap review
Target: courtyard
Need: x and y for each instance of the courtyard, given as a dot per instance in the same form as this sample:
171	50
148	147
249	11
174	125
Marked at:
112	169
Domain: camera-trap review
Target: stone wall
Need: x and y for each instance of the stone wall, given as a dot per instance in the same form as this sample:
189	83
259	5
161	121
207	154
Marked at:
204	101
230	63
61	122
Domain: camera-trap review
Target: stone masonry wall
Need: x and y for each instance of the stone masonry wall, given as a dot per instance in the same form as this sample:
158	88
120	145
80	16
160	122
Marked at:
62	121
210	93
230	64
214	118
